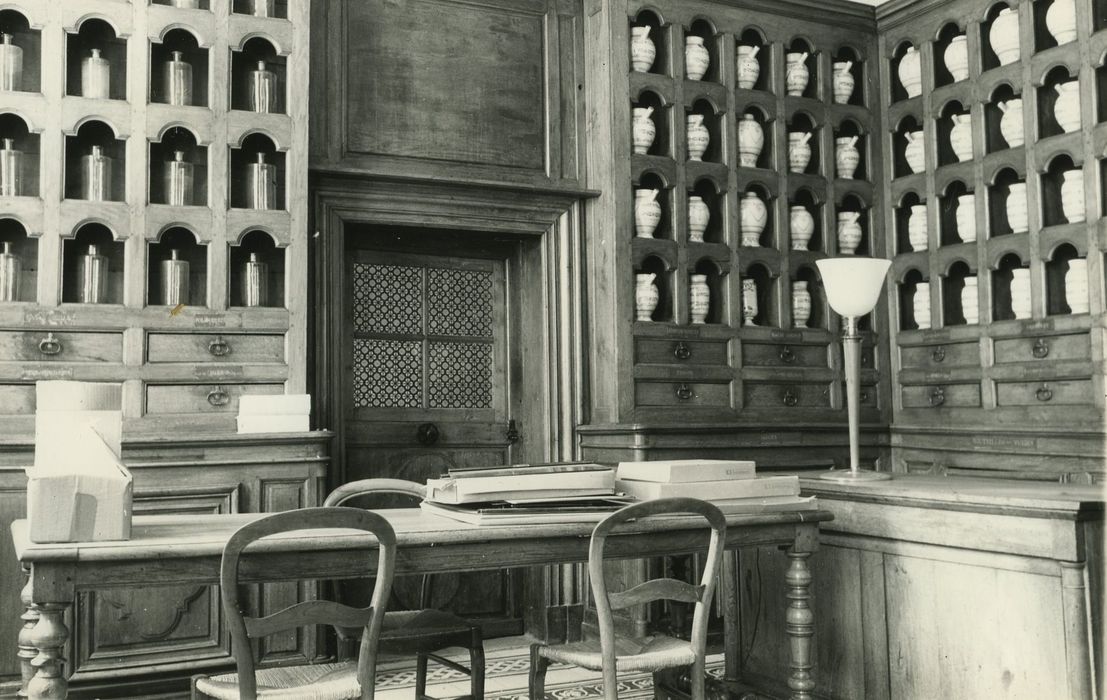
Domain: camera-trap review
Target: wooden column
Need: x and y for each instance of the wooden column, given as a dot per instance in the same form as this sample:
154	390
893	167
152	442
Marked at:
49	637
799	624
26	648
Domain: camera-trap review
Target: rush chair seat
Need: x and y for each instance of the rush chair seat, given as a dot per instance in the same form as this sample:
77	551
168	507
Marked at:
335	681
422	632
612	653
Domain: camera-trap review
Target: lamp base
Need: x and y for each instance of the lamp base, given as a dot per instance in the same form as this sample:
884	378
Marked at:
845	476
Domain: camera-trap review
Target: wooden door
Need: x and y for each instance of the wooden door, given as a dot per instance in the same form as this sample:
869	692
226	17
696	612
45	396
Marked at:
428	359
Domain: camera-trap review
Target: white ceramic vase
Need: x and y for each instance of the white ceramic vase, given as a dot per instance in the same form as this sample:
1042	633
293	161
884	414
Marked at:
749	302
910	72
646	296
698	137
956	57
796	75
1061	20
970	307
801	304
754	215
1020	292
747	67
966	218
1010	124
1076	286
699	216
647	212
699	298
802	225
915	151
696	58
844	82
917	229
1016	208
1004	36
1067	107
960	137
799	151
1072	195
642	49
920	305
849	232
643	130
751	139
846	156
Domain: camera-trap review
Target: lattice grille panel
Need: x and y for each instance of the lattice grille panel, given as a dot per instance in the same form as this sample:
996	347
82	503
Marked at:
388	373
460	375
388	299
459	302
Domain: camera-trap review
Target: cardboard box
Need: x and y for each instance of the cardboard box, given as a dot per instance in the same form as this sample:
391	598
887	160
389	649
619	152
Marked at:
273	423
274	404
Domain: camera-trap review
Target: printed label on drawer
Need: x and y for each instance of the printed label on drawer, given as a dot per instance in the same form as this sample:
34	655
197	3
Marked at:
49	318
46	373
219	373
209	320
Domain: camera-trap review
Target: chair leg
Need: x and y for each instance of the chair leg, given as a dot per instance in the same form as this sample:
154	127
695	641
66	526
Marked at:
538	666
420	676
699	680
476	671
610	683
193	693
659	686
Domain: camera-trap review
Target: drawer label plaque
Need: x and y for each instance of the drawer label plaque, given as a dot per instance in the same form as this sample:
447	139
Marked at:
209	321
49	318
218	373
47	373
983	442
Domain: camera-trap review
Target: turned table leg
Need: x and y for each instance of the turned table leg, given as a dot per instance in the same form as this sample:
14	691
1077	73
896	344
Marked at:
48	637
799	624
26	648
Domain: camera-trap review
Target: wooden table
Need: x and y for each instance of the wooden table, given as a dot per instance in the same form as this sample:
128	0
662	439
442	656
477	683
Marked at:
168	550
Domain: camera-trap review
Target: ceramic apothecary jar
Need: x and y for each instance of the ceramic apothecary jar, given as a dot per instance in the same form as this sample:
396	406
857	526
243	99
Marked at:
698	137
1020	292
747	67
647	212
960	137
846	156
956	58
642	50
1010	124
802	225
754	215
1016	208
844	82
799	151
970	308
699	216
1067	107
751	139
1061	20
1072	196
920	305
699	298
1004	36
966	218
696	58
1076	286
749	302
915	151
643	129
910	72
796	74
849	232
646	296
801	304
917	229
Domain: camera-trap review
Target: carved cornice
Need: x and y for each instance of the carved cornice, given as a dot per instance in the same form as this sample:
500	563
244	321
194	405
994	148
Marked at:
838	12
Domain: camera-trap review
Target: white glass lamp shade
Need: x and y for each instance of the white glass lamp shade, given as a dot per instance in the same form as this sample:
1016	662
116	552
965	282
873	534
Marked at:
853	284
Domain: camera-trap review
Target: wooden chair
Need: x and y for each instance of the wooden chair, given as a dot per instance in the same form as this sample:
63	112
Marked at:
306	682
612	653
422	631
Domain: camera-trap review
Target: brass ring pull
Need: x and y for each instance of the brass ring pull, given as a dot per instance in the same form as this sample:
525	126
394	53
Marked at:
1043	393
681	351
937	396
789	398
1040	349
786	355
683	391
938	354
219	347
218	397
50	345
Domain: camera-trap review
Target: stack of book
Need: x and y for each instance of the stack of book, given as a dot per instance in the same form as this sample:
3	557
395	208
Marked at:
732	485
540	493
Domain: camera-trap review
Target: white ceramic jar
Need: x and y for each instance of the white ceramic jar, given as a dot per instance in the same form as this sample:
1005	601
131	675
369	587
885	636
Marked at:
917	228
970	307
956	58
799	151
642	49
1016	208
646	296
647	212
749	302
1067	107
802	225
753	216
846	156
696	58
1061	20
849	232
751	139
747	67
1010	124
699	216
960	137
801	304
1072	196
915	151
843	82
910	72
1004	36
1020	292
643	130
966	218
1076	286
920	305
698	137
796	75
699	298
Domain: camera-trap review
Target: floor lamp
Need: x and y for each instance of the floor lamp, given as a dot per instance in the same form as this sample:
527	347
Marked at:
852	288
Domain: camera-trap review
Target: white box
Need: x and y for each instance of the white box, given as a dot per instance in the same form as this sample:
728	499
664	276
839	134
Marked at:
273	423
274	404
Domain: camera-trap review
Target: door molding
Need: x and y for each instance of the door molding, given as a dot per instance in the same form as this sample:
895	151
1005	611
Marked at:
551	218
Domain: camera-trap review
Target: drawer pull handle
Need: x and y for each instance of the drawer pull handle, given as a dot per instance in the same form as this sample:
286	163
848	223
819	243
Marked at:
1043	393
937	396
50	345
218	397
683	391
789	398
1040	349
219	347
864	396
682	351
939	353
787	356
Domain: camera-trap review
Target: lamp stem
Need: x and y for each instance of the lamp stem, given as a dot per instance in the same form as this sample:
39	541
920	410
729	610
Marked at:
851	358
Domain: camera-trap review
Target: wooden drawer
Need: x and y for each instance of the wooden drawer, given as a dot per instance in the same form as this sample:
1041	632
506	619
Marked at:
759	395
946	355
685	352
1059	393
60	346
17	399
774	355
1054	347
201	398
195	347
942	396
669	393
